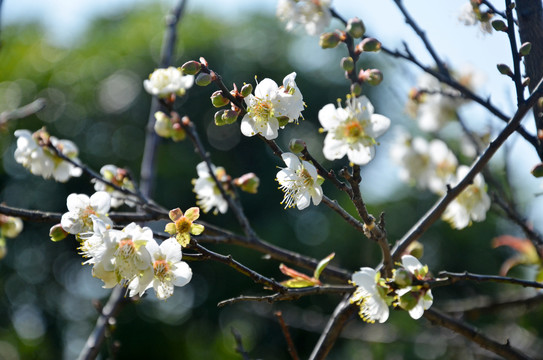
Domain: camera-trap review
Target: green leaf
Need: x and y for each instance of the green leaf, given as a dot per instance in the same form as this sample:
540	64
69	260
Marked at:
322	265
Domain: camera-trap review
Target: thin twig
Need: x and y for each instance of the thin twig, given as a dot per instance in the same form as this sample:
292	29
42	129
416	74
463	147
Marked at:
239	345
456	277
333	204
290	344
517	76
23	111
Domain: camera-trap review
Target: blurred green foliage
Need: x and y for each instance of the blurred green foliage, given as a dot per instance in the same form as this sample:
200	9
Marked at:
95	98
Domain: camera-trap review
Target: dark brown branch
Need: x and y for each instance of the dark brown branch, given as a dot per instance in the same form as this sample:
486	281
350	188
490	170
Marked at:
471	333
517	76
239	345
435	212
499	305
290	344
332	204
456	277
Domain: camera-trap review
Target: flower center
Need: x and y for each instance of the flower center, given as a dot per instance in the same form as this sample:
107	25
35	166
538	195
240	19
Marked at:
127	248
305	177
353	131
183	225
161	269
262	110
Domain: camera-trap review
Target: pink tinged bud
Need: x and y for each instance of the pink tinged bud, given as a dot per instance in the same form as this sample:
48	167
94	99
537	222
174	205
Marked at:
218	99
229	117
191	67
330	40
297	145
178	133
57	233
355	28
248	183
525	49
203	79
347	64
356	89
499	25
504	69
246	90
375	76
370	44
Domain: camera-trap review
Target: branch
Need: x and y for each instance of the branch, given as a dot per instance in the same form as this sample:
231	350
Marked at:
24	111
286	332
469	332
239	346
435	212
514	53
456	277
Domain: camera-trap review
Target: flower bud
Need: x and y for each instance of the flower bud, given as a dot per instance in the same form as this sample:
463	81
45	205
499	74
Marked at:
203	79
10	226
177	132
375	76
537	171
504	69
370	44
57	233
408	301
355	28
162	124
246	90
416	249
402	278
347	64
218	118
330	40
296	145
356	89
526	82
283	120
499	25
191	67
525	49
229	117
3	248
248	183
218	99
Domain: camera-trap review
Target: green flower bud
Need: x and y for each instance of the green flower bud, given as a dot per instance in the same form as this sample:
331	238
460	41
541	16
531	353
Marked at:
504	69
219	121
402	278
355	28
248	183
525	49
375	76
162	124
283	121
229	117
218	99
408	301
416	249
203	79
499	25
57	233
356	89
246	90
537	171
296	145
370	44
347	64
330	40
191	67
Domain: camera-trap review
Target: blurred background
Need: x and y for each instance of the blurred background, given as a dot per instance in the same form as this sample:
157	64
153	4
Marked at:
89	61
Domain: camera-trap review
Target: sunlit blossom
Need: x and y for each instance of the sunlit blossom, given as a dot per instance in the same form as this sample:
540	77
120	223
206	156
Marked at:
313	15
164	82
370	296
81	207
208	194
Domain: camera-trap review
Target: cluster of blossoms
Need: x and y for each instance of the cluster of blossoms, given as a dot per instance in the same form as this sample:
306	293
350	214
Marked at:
208	194
407	290
313	15
117	176
272	107
471	14
165	82
352	130
169	127
34	153
129	257
433	166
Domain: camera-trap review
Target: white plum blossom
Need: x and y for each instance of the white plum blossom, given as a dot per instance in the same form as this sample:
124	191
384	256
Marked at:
164	82
314	15
429	165
208	194
472	203
470	15
167	270
299	181
415	299
41	160
80	208
370	295
119	177
131	256
352	130
272	107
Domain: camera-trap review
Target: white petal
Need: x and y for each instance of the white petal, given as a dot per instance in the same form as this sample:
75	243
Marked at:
100	201
411	263
361	155
266	89
171	249
183	274
380	124
291	160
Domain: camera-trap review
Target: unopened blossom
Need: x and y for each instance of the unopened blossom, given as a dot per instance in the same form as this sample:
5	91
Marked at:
472	203
10	226
119	177
272	107
352	130
370	295
32	152
313	15
208	194
429	165
299	181
81	207
164	82
415	299
167	270
183	225
471	14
